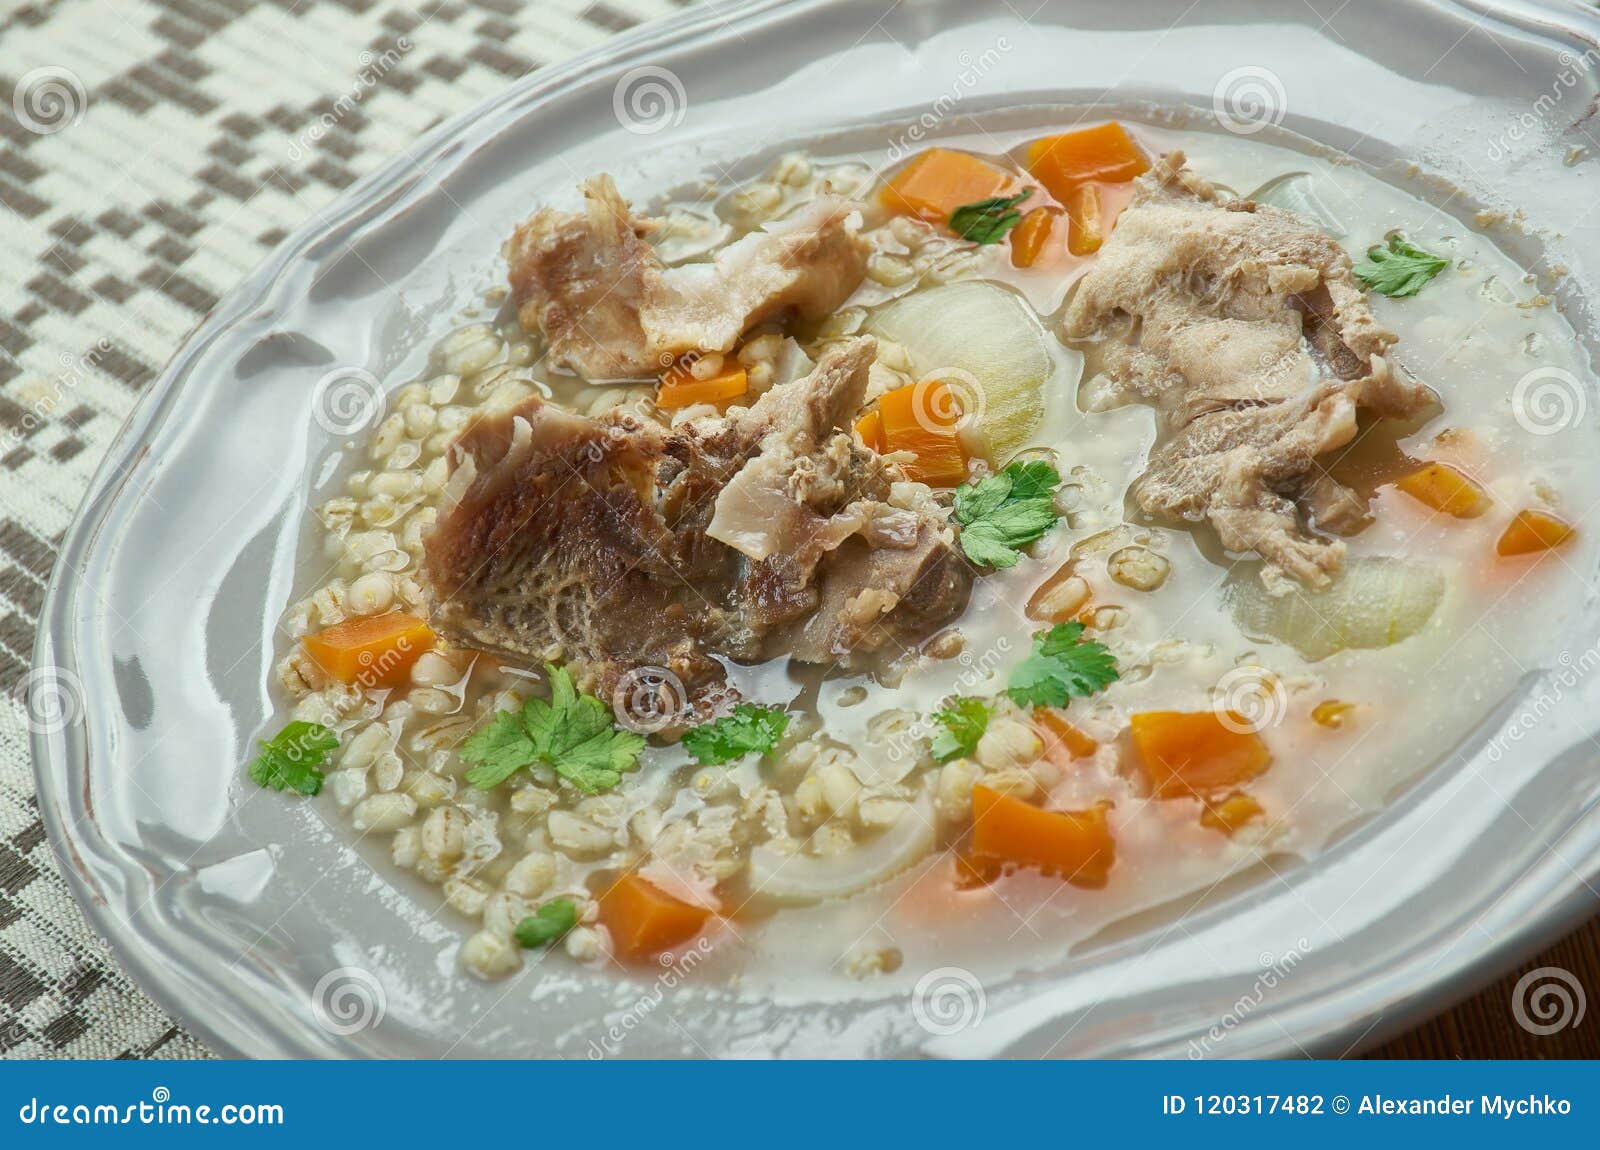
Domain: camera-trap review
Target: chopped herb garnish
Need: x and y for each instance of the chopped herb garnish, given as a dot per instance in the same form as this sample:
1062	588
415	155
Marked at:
1401	269
1002	513
988	221
292	759
572	732
548	923
1063	664
963	723
747	728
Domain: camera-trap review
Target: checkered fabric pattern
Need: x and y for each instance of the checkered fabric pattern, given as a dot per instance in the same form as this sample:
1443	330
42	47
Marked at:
151	153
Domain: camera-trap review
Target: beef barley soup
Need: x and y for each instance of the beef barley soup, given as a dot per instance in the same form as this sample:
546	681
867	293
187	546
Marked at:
863	571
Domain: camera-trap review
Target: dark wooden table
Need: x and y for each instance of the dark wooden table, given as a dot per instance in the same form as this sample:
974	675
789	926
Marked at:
1484	1027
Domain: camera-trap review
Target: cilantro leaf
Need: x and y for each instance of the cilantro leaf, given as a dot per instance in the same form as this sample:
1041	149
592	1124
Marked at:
1000	514
292	759
988	221
1401	269
748	728
1063	664
572	732
547	924
501	749
964	722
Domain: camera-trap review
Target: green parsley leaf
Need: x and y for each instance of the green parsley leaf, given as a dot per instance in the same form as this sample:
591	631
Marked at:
1401	269
292	759
501	749
572	732
548	923
1063	664
988	221
964	722
1000	514
748	728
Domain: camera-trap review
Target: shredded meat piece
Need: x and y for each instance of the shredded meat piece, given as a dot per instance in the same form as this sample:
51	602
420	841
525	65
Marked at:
616	544
609	308
1245	327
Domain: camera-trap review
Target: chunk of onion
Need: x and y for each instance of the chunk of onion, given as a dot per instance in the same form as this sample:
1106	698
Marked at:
1377	602
986	338
798	878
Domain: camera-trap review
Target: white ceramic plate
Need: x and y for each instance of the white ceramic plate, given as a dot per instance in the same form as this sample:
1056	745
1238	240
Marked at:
252	918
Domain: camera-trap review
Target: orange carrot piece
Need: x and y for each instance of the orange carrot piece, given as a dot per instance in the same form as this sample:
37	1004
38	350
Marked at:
679	387
870	428
645	920
1086	229
923	418
1105	154
374	651
939	181
1331	713
1231	813
1194	754
1076	845
1028	238
1055	723
1445	488
1534	531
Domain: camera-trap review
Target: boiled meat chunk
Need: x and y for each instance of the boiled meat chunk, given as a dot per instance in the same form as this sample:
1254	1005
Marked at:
609	309
1247	330
614	543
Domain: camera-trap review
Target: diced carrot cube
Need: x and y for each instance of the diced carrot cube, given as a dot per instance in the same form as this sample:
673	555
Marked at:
1230	813
645	920
1028	237
1532	531
680	388
1331	713
1076	845
1195	754
923	418
1058	729
870	428
939	180
1447	489
373	651
1086	229
1105	154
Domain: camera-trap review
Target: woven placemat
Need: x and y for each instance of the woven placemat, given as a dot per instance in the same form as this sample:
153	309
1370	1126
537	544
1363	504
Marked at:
151	153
